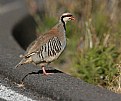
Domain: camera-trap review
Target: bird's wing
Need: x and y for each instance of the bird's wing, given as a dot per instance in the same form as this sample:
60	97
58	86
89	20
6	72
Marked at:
35	46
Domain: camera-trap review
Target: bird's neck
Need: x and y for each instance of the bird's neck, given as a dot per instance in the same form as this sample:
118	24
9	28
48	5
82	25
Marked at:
64	23
61	26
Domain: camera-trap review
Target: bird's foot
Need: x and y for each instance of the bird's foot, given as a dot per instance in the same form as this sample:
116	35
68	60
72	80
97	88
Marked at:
21	85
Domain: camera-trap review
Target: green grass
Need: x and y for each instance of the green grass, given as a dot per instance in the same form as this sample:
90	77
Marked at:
96	65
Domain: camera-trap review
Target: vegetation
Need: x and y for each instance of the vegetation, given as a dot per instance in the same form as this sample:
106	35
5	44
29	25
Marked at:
93	50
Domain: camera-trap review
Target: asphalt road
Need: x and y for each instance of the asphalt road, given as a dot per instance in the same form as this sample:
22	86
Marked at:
10	91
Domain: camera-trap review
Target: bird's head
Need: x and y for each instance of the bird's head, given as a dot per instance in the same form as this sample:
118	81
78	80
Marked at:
66	17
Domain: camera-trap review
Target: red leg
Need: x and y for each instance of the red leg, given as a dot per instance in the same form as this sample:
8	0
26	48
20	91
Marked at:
44	72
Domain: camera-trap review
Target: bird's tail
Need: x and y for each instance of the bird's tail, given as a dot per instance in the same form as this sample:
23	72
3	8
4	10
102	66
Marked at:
22	62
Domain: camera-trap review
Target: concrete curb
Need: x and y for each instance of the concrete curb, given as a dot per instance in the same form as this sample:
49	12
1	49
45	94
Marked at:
59	86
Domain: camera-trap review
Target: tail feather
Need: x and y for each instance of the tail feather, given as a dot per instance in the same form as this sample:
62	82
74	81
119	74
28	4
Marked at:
22	62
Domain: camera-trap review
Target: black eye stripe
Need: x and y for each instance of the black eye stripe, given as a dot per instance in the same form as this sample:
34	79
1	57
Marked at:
69	15
66	16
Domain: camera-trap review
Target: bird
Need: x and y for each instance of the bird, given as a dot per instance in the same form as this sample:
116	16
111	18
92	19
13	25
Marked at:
48	46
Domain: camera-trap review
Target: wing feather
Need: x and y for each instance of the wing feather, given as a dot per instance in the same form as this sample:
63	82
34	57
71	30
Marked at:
35	46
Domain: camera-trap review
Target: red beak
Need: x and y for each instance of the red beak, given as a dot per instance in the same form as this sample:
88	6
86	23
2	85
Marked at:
72	18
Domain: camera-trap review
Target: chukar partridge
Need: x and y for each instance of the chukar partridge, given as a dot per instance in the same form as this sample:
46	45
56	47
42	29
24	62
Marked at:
49	46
